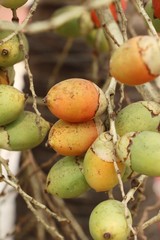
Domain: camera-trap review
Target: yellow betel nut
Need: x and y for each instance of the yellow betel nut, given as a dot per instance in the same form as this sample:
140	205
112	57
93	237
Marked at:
76	100
73	139
98	165
108	220
136	61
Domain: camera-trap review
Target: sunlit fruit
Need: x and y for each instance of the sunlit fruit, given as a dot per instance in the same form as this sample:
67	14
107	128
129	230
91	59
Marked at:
142	149
80	25
99	167
73	139
65	179
11	51
26	132
136	61
12	102
138	116
97	40
109	221
155	21
7	75
76	100
13	4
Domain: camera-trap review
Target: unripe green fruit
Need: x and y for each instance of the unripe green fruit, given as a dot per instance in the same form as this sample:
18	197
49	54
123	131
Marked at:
65	179
26	132
11	52
138	116
142	149
149	10
13	4
97	40
7	75
12	103
78	26
108	221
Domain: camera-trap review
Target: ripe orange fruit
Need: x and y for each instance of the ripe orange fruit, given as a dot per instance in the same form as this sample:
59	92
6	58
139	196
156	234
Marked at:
76	100
73	139
136	61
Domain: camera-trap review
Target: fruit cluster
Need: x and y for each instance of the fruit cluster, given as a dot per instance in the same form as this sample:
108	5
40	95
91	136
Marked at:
91	158
13	118
78	103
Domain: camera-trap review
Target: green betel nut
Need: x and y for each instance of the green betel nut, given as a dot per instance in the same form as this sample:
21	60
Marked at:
108	221
26	132
65	179
145	153
142	152
12	103
138	116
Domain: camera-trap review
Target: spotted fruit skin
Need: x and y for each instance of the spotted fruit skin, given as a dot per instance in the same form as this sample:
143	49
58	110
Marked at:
76	100
13	4
99	167
138	116
11	51
142	150
136	61
26	132
65	179
108	221
73	139
12	102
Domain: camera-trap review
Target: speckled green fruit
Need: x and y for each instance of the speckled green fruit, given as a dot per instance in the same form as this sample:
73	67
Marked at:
108	221
142	149
138	116
13	4
65	179
76	27
155	21
97	40
12	102
11	51
26	132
